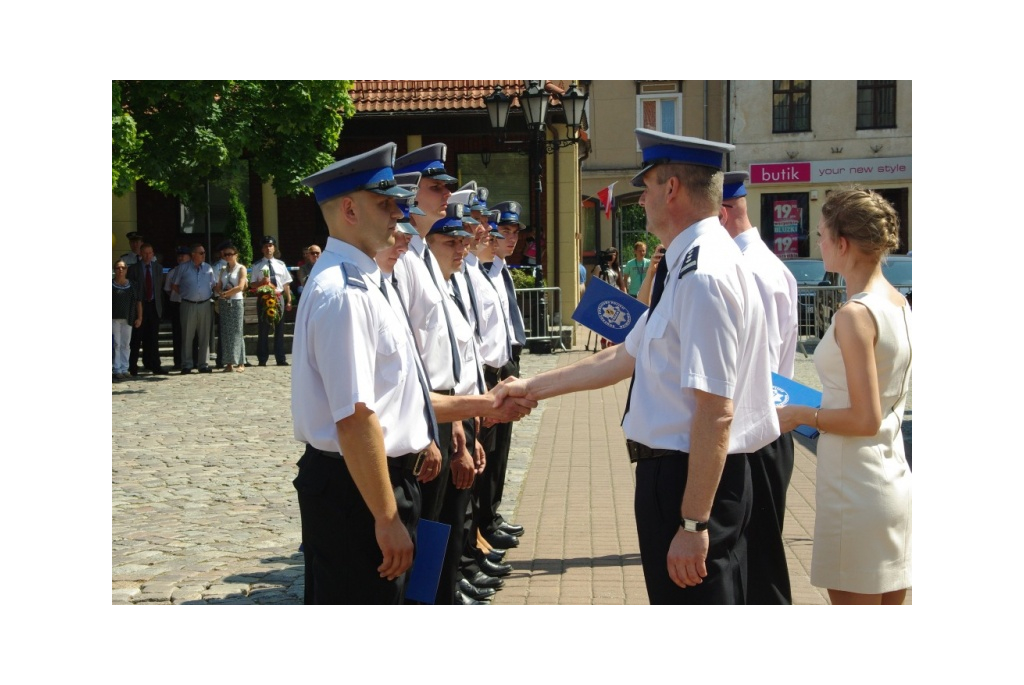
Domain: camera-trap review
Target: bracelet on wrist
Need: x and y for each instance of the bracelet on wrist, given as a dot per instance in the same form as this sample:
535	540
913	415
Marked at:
816	426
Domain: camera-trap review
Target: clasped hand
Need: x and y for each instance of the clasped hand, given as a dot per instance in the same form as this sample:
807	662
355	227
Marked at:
510	402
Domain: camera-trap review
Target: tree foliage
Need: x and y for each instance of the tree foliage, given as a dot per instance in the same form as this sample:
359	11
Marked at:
237	229
177	135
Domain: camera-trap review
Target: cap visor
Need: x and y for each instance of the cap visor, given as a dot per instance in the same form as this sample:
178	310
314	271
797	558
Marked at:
406	227
638	180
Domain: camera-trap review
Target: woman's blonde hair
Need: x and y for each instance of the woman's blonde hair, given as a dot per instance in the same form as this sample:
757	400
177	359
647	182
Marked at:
863	217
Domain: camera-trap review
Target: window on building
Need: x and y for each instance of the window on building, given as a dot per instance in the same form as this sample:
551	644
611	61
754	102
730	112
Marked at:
785	224
876	104
791	106
659	107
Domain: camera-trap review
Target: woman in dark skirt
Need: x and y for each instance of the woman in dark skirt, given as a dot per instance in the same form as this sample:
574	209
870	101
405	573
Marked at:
126	313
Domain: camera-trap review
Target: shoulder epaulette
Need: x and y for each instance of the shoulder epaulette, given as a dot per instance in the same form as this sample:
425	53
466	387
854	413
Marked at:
689	261
352	280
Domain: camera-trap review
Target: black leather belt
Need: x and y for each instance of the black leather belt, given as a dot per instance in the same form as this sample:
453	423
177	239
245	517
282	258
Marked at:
194	301
638	451
450	393
411	462
492	369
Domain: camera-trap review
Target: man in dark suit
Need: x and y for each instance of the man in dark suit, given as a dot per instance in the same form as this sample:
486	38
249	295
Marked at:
148	276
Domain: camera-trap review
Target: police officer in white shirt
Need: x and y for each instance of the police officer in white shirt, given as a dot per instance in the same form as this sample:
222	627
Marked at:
419	279
496	531
771	467
274	272
360	399
701	396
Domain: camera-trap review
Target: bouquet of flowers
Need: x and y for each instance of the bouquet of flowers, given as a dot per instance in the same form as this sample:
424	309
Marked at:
269	305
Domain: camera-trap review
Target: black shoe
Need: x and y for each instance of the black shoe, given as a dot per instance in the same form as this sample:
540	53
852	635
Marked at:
501	539
161	372
511	529
474	592
495	555
205	369
185	371
133	372
492	569
175	368
463	599
283	364
482	580
263	363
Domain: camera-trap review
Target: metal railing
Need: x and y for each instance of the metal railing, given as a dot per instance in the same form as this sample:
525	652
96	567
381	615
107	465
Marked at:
817	304
542	318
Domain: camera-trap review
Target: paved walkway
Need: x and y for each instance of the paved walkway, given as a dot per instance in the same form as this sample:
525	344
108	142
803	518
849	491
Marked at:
204	512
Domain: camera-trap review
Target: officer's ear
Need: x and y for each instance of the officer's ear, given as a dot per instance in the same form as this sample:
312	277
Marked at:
349	210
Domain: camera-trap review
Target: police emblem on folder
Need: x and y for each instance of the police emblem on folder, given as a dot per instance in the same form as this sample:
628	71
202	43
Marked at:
608	311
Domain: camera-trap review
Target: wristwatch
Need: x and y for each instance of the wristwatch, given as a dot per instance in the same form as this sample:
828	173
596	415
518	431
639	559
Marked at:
692	526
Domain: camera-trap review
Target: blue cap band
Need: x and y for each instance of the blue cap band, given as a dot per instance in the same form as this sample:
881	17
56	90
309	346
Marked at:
359	180
734	190
673	154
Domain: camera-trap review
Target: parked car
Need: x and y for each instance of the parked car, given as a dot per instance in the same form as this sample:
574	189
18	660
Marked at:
896	268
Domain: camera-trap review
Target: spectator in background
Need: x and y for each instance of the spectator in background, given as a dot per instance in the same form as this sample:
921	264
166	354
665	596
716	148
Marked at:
232	280
636	268
126	314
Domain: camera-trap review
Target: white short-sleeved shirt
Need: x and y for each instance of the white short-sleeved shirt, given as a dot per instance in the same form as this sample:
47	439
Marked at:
351	347
778	289
494	273
465	340
494	335
426	315
707	333
281	273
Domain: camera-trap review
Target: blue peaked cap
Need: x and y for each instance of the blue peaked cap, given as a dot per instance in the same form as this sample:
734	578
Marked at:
734	185
371	171
665	148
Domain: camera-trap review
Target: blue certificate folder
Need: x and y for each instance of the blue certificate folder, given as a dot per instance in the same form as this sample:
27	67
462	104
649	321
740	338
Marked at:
787	391
431	541
608	311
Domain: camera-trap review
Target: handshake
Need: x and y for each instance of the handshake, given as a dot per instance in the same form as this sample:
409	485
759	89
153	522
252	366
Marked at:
511	401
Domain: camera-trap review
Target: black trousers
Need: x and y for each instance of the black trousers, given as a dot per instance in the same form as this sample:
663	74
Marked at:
338	538
497	442
146	336
771	469
433	491
659	494
453	512
262	341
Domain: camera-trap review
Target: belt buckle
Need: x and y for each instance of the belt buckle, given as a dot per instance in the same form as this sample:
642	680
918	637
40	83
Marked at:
418	465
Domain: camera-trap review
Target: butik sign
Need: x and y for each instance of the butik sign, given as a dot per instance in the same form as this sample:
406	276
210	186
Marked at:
843	170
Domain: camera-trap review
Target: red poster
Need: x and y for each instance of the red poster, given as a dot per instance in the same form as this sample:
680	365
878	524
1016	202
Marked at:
786	219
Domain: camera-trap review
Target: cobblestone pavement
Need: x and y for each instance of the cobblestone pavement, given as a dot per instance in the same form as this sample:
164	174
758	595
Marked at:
203	508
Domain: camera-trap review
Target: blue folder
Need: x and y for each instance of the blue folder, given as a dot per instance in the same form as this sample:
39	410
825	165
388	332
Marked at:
431	542
787	391
608	311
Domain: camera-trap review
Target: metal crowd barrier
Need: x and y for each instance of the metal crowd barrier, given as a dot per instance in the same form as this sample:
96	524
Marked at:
542	318
817	304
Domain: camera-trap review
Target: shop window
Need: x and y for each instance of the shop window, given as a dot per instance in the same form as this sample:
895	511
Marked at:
785	224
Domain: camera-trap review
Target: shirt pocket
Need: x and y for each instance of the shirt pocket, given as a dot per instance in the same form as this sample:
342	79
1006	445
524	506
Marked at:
391	354
655	351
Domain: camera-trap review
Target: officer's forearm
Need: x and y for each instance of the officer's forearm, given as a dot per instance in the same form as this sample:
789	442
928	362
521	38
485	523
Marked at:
362	446
709	444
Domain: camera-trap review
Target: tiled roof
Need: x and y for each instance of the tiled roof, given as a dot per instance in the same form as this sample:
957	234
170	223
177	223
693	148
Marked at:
433	96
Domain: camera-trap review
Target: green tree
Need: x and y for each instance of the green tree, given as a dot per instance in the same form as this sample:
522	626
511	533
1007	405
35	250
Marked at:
237	229
178	135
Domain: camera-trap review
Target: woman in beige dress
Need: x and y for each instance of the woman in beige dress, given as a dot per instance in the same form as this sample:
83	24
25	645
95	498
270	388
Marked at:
862	525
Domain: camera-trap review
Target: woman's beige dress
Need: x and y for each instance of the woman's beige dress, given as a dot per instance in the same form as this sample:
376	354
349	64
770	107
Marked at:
862	525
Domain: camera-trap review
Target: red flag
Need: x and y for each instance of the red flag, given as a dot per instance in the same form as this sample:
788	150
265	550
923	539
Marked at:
607	199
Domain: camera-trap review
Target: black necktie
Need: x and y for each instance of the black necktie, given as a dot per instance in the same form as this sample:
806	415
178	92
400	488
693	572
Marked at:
273	276
472	300
456	362
656	292
457	296
431	418
514	315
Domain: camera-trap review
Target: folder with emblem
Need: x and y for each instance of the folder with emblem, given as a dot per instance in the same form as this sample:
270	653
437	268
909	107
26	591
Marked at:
431	542
608	311
787	391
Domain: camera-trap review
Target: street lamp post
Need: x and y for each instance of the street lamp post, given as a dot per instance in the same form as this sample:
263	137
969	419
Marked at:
534	102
